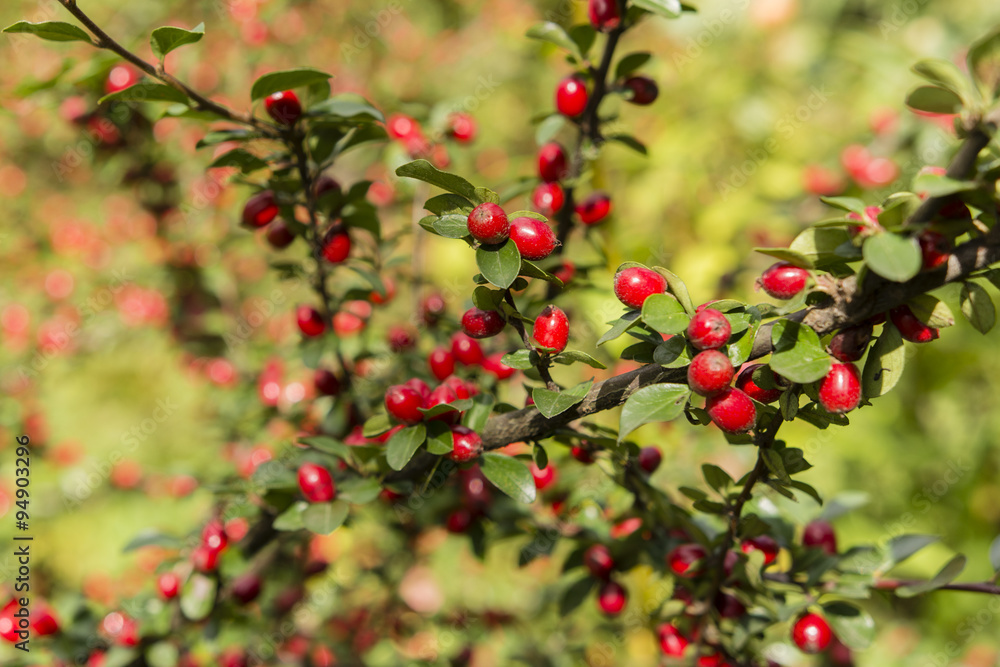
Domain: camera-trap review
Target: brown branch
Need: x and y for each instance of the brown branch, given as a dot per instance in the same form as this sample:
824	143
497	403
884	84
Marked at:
891	585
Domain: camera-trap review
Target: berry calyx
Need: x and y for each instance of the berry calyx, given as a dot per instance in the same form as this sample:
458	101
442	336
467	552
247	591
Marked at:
820	535
650	458
746	384
851	343
603	14
169	585
763	543
279	234
686	560
710	372
732	411
442	363
466	350
310	321
811	633
594	208
672	642
467	444
636	283
840	390
611	598
783	280
709	329
489	224
548	198
284	107
316	484
644	90
572	96
910	327
597	559
260	209
935	249
403	404
552	162
551	328
534	238
326	382
478	323
336	246
462	127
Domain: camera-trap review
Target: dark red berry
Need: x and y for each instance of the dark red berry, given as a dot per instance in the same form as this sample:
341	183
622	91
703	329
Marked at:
494	366
489	224
634	284
43	622
260	209
325	184
762	543
935	249
534	238
840	390
169	584
811	633
594	208
478	323
442	363
551	328
246	588
279	235
309	320
603	14
462	126
611	598
709	329
432	309
732	411
819	534
784	280
466	351
544	477
851	343
729	606
583	452
746	384
284	107
687	560
326	382
571	96
401	338
650	458
552	162
710	372
548	198
910	327
597	558
316	484
644	90
467	444
403	404
459	521
672	642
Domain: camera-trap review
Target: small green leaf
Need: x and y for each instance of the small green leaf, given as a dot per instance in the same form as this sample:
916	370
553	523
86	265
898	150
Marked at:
449	203
947	574
146	91
932	311
787	255
631	63
903	546
285	80
995	554
850	624
499	265
327	444
198	596
665	314
885	363
439	438
422	170
575	594
452	226
673	353
820	244
788	403
934	100
166	39
324	518
670	9
359	490
677	288
553	33
509	475
548	129
460	405
620	326
532	270
978	308
376	425
716	477
291	518
892	256
852	204
944	74
798	355
151	538
655	403
983	60
522	360
573	356
53	31
349	107
629	141
938	185
551	403
776	465
404	444
477	416
241	158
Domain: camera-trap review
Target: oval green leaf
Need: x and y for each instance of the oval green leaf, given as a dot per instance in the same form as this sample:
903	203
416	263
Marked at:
509	475
655	403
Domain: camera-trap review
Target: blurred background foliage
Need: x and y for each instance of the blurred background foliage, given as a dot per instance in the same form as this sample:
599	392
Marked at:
137	248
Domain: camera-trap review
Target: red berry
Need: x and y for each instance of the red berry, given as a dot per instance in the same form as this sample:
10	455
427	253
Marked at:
709	329
710	372
494	366
784	280
682	560
582	452
401	338
443	395
205	559
597	558
544	478
119	78
552	328
851	343
594	208
316	484
466	350
309	320
213	536
462	126
246	588
459	521
935	249
169	584
811	633
260	209
478	323
650	459
819	180
284	107
419	386
401	127
442	363
43	622
548	198
910	326
467	444
603	14
279	235
552	162
644	90
336	246
732	411
489	224
326	382
432	308
729	606
762	543
819	534
565	271
325	184
534	238
672	642
746	384
403	404
634	284
840	389
611	598
571	96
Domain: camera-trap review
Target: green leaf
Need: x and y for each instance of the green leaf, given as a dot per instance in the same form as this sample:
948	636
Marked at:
620	326
440	440
573	356
152	538
665	314
53	31
902	547
798	355
324	518
629	141
522	360
584	36
820	244
359	490
286	80
404	444
198	596
449	203
146	91
452	226
347	106
553	33
291	518
500	266
807	489
776	465
166	39
944	74
677	288
477	416
885	363
655	403
850	624
422	170
575	594
934	100
327	444
716	477
631	63
509	475
983	60
673	353
852	204
460	405
787	255
947	574
532	270
995	554
978	308
551	403
892	256
246	161
548	129
670	9
932	311
741	348
376	425
938	185
222	136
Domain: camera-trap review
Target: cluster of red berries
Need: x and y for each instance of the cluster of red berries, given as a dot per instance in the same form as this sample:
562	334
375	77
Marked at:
611	596
405	404
407	131
488	224
468	352
549	198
